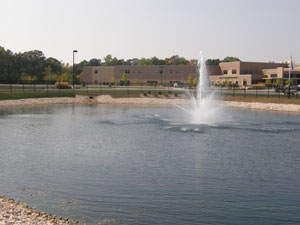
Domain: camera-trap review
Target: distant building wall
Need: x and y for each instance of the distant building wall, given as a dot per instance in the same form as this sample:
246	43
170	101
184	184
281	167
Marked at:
241	73
142	74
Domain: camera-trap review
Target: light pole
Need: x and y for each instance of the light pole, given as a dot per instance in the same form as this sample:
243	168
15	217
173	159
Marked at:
74	51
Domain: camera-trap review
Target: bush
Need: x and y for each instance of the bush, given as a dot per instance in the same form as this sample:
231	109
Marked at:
159	93
145	94
175	94
149	92
62	85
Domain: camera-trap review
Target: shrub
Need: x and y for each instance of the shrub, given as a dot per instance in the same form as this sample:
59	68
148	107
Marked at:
159	93
149	92
175	94
145	94
62	85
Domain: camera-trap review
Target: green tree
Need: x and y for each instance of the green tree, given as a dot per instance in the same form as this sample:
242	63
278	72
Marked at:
288	82
278	82
195	81
268	83
190	80
230	59
124	79
113	80
213	62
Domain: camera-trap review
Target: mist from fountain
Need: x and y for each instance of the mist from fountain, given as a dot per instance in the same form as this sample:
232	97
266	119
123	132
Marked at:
202	108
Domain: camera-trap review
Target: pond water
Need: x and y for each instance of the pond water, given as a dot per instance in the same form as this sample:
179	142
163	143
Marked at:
126	165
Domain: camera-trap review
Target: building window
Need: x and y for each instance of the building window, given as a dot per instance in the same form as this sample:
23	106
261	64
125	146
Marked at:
127	71
225	71
121	71
134	71
140	72
156	72
273	75
96	71
177	71
233	71
171	71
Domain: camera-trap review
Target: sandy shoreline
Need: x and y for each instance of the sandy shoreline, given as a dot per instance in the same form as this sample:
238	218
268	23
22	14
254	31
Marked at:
146	101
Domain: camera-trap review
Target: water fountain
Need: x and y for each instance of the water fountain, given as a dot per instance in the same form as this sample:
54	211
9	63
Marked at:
202	108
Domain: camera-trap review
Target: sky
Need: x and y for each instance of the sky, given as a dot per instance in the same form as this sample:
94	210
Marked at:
252	30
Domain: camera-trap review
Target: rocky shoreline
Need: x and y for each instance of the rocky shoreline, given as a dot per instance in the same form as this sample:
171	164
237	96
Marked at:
12	212
145	101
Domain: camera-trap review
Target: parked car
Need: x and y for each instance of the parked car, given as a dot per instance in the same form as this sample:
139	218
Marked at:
178	85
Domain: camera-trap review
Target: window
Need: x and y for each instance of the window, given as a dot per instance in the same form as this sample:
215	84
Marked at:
121	71
225	71
233	71
127	71
140	72
96	71
171	71
273	75
177	71
156	72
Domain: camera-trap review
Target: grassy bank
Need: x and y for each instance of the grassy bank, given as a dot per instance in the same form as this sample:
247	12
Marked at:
11	96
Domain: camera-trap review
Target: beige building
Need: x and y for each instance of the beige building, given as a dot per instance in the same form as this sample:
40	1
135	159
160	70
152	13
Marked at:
243	73
165	74
283	74
240	73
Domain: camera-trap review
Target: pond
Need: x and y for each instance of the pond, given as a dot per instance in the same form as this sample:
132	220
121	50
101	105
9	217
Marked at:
137	165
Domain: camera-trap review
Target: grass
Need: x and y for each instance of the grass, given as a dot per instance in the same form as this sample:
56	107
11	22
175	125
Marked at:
11	96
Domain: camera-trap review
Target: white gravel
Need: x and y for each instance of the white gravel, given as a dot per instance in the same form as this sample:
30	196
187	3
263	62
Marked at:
12	212
107	99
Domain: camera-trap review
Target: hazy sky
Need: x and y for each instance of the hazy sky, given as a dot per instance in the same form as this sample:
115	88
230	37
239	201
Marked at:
253	30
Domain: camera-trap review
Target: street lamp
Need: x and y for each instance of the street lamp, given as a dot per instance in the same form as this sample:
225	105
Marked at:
74	51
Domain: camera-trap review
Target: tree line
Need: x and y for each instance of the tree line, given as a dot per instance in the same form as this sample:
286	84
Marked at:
34	67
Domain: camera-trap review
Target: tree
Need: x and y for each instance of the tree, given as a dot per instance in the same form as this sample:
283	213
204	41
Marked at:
230	59
195	81
79	78
190	80
176	60
213	62
124	79
113	80
49	76
278	83
268	83
288	82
